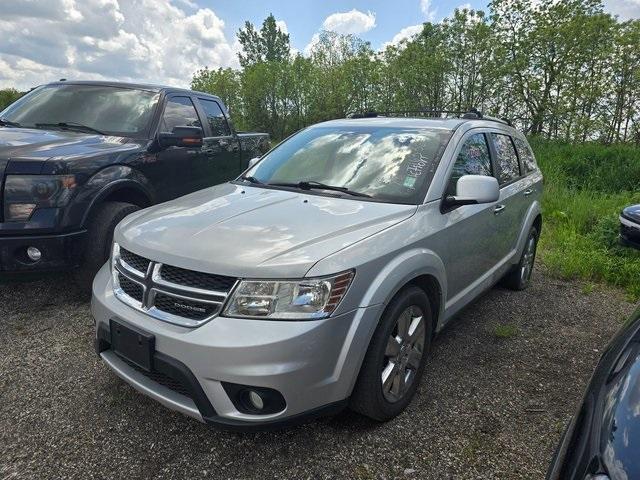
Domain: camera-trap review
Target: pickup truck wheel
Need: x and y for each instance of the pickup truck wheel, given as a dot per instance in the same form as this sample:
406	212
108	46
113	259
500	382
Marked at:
396	357
98	242
519	277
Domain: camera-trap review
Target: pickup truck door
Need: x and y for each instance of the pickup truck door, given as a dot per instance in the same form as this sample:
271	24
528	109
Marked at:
175	170
221	146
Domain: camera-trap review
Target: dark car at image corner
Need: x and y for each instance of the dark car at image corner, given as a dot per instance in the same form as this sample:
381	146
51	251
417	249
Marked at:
602	441
77	157
630	226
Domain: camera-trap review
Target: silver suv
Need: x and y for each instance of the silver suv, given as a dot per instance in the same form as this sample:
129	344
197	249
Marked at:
318	278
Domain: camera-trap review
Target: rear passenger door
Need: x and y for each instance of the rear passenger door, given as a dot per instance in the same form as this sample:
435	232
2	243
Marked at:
509	209
221	147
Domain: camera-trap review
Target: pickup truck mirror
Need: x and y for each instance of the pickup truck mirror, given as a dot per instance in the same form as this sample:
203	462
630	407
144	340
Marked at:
475	189
253	161
182	136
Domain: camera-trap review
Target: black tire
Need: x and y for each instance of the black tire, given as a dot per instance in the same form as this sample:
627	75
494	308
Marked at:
519	277
97	248
368	397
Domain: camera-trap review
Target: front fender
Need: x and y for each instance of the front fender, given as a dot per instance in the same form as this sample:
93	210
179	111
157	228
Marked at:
109	180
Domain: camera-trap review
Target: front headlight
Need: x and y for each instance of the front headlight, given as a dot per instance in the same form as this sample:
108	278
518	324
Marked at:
24	193
308	298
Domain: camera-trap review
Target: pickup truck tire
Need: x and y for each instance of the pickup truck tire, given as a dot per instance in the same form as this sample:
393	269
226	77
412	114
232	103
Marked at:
98	242
519	277
369	396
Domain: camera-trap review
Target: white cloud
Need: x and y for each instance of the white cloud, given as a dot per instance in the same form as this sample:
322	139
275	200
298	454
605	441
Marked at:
133	40
428	12
353	22
625	9
406	33
282	26
310	46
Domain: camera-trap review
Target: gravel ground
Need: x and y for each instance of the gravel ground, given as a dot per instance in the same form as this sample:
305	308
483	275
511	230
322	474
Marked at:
502	382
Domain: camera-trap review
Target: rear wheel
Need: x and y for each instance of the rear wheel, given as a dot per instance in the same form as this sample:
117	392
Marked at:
520	277
396	357
99	238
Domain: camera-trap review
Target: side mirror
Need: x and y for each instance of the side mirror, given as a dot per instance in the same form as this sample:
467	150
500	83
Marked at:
253	161
183	136
475	189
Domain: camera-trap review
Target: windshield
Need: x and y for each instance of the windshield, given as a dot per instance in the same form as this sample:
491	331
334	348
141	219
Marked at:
388	164
110	110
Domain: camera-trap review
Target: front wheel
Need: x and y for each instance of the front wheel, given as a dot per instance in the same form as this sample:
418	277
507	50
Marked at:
99	239
520	277
396	357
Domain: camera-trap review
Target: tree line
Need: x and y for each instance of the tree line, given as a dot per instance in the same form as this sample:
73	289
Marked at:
561	70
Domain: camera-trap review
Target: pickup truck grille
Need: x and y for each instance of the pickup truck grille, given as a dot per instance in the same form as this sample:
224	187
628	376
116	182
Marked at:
168	293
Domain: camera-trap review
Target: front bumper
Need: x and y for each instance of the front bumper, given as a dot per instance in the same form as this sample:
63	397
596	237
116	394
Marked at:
629	233
58	252
313	364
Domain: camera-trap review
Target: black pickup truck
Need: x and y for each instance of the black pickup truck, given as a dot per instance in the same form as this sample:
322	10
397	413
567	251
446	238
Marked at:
77	157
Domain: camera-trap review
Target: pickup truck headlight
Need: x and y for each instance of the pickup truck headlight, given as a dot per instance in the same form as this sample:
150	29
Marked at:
24	193
307	298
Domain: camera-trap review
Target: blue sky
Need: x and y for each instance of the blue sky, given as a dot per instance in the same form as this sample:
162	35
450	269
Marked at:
167	41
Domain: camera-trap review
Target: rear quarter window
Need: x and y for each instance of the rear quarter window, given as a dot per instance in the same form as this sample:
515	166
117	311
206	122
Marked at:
507	159
526	155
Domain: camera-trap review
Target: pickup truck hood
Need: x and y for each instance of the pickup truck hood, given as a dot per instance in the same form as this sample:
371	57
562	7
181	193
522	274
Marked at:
36	145
253	232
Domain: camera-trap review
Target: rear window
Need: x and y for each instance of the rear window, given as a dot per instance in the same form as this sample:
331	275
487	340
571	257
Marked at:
507	159
526	155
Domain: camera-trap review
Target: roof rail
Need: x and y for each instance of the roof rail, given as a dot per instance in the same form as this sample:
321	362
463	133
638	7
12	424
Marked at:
471	114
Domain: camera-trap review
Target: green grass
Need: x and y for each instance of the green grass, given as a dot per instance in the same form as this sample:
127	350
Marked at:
586	187
505	331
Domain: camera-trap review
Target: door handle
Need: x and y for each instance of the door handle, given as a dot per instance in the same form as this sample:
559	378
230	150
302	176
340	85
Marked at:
528	192
498	209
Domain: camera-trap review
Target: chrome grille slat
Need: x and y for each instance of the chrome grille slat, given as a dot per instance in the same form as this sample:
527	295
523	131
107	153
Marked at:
183	305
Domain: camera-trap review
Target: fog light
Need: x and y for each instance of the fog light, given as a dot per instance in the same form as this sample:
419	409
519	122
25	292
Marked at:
256	400
34	254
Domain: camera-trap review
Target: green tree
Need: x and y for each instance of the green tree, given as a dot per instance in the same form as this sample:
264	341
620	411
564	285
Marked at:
8	96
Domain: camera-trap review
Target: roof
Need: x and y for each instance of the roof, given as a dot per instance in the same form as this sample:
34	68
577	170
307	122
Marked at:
407	122
138	86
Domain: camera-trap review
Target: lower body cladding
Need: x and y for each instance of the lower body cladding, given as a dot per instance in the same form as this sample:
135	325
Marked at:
237	373
29	253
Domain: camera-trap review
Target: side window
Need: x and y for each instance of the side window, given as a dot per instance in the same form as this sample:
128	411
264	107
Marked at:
215	117
507	161
473	159
526	155
179	112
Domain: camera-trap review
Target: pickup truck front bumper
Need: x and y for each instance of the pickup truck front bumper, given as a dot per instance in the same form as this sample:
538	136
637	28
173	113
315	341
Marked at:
58	252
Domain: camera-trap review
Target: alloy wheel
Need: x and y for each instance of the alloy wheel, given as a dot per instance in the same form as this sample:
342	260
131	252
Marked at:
403	354
528	259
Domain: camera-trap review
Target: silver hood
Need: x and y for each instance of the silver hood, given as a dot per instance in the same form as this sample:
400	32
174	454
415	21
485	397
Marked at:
253	232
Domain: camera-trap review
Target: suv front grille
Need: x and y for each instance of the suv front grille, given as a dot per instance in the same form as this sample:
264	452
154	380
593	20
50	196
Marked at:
199	280
138	263
131	288
161	378
193	309
171	294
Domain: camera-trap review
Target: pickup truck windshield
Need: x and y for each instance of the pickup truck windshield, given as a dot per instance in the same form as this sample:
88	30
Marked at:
97	108
388	164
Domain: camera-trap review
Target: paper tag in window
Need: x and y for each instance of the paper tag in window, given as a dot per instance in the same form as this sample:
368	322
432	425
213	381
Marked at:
409	181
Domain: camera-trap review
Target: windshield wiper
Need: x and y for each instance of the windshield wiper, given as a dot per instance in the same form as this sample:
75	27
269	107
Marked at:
251	179
8	123
308	185
70	126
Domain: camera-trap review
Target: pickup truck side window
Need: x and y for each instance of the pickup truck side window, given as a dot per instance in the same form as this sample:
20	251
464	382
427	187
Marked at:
179	112
473	159
526	155
507	159
215	117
